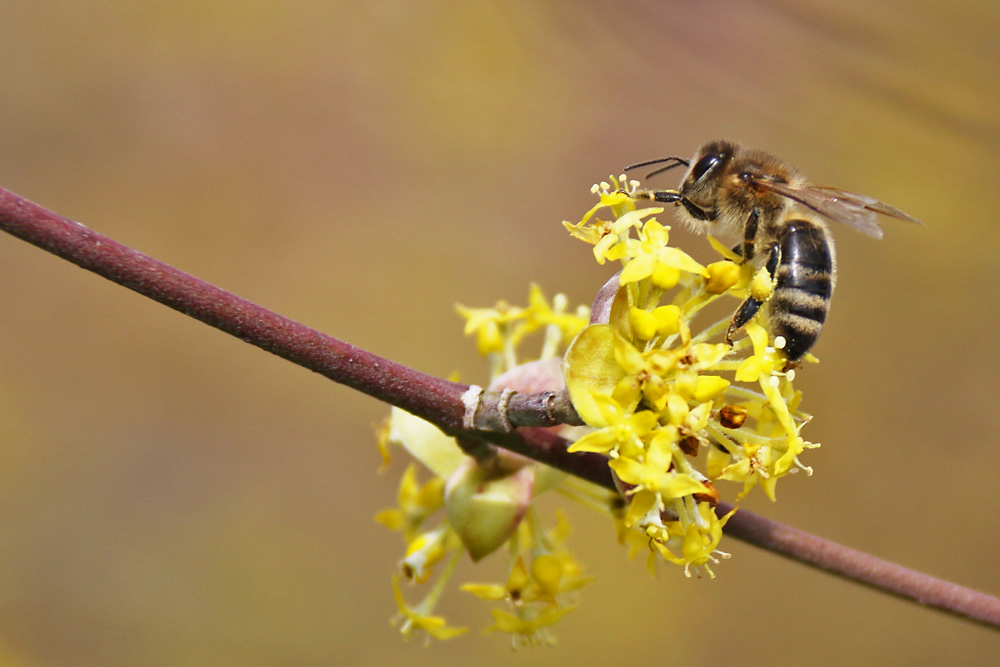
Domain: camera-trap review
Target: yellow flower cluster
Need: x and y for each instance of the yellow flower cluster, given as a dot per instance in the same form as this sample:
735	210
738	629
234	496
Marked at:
481	506
663	399
675	410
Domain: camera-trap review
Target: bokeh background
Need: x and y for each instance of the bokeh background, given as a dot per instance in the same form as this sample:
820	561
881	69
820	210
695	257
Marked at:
171	496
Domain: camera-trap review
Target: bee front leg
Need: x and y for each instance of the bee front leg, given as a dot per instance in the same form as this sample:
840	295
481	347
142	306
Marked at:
664	196
761	288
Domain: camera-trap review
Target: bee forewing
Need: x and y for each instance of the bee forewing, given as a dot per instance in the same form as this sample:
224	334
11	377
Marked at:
853	209
869	203
850	208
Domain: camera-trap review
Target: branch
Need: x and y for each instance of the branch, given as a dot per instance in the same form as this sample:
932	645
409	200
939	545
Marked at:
438	401
441	402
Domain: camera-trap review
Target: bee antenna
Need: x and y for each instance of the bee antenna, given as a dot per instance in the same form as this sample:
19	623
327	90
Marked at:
673	161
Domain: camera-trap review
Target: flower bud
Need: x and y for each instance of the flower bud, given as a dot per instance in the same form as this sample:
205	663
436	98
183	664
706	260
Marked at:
485	508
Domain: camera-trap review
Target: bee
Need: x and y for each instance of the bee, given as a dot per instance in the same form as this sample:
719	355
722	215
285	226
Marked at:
729	188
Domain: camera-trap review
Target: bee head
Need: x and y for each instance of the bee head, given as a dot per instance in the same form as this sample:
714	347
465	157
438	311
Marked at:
700	190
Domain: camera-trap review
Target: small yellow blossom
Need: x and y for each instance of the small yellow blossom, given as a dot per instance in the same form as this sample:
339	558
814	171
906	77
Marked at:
697	546
621	428
415	503
654	472
651	253
721	276
542	314
382	443
667	319
709	387
536	593
417	620
426	550
643	323
530	627
501	315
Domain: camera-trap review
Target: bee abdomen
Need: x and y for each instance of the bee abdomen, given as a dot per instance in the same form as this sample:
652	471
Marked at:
803	287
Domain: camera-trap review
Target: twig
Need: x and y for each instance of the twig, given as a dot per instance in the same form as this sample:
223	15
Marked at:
436	400
864	568
440	401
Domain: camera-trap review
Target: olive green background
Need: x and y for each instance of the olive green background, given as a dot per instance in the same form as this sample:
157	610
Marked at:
171	496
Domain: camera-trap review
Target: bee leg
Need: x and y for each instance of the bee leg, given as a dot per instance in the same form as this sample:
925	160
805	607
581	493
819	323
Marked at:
749	234
665	196
674	197
758	294
743	314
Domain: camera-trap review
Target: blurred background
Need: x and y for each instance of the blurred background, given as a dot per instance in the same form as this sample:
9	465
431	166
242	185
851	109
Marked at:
170	496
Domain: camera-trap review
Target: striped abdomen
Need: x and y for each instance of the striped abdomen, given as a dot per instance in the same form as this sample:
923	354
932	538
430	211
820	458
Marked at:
803	287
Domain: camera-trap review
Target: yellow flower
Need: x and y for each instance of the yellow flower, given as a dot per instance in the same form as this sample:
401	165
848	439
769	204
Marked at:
721	276
501	329
382	443
654	470
501	314
425	442
523	586
535	593
531	627
698	546
426	550
621	428
415	503
651	257
542	314
417	620
618	245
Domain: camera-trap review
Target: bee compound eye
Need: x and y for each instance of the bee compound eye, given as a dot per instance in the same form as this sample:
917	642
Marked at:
705	165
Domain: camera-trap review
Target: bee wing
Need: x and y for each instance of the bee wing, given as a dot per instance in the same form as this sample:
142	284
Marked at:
852	209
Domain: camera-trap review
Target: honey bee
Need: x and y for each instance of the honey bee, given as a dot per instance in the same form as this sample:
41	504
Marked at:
734	189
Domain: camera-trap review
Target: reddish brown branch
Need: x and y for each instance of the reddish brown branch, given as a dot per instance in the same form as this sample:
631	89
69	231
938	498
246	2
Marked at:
436	400
431	398
863	568
339	361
